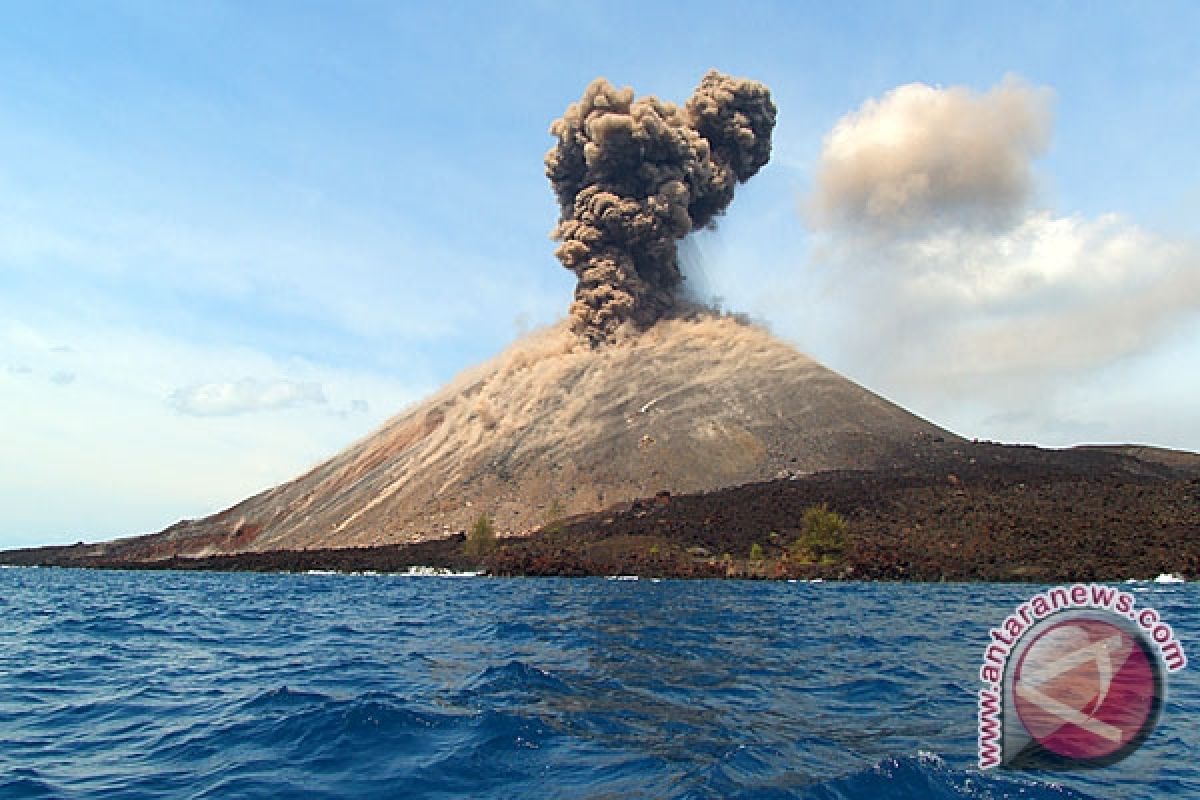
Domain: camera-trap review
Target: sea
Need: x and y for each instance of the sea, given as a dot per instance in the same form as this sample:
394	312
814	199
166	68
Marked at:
232	685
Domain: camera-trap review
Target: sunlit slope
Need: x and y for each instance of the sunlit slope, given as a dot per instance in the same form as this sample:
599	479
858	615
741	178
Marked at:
553	426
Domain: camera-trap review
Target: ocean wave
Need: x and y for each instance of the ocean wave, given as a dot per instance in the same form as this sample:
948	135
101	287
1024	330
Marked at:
927	776
231	686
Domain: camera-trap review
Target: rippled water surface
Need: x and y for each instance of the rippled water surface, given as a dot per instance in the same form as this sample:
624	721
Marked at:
132	685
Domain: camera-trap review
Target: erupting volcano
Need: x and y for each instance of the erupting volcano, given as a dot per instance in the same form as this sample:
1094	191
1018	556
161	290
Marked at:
637	392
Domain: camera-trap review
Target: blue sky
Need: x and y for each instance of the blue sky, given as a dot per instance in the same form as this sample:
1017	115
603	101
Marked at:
236	237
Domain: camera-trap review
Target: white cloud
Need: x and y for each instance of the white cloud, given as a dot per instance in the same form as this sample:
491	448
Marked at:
955	290
244	396
1048	295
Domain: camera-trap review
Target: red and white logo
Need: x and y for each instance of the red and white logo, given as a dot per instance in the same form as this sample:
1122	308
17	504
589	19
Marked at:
1075	677
1084	689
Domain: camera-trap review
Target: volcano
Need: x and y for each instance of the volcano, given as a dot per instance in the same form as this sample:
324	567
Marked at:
640	394
636	393
553	426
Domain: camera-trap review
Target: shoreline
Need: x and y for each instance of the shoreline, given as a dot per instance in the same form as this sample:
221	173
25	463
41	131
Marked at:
425	571
978	513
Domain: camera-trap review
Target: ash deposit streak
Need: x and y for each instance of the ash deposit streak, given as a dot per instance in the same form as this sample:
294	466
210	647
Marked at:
634	176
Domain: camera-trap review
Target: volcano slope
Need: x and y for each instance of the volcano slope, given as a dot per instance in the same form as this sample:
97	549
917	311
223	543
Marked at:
553	426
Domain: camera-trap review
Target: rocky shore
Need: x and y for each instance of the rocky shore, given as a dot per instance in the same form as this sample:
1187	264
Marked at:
994	514
966	512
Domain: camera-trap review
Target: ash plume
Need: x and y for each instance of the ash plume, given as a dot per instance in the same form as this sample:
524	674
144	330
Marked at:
633	177
922	157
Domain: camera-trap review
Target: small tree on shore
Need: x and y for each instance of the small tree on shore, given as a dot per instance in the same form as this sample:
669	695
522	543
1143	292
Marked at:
756	552
481	539
822	536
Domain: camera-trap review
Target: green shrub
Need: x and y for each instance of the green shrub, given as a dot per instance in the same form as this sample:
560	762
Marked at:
822	536
481	539
756	552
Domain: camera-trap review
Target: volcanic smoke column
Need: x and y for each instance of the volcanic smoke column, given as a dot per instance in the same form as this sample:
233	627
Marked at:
634	176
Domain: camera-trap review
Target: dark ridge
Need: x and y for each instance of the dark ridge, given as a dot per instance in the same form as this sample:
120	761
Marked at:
968	511
965	511
445	553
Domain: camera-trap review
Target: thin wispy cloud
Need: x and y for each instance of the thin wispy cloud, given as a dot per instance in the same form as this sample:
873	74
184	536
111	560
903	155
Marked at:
245	396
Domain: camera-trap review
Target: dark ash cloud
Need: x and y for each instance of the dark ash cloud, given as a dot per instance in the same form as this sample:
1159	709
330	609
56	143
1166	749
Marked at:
633	177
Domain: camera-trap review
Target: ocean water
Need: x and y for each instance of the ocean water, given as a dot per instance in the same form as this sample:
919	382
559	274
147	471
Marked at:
154	685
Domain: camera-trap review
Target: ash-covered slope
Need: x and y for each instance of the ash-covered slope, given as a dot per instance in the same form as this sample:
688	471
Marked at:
555	426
